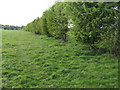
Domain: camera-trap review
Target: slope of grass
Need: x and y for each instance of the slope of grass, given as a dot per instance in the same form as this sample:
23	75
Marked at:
36	61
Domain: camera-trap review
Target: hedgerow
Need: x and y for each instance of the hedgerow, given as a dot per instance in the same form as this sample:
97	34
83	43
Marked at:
94	23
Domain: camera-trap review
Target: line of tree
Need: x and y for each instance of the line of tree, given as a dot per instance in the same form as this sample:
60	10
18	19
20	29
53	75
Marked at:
94	23
10	27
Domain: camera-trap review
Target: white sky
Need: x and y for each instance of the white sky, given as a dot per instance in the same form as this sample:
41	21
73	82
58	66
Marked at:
21	12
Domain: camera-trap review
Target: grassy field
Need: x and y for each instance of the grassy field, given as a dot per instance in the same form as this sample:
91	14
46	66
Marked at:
36	61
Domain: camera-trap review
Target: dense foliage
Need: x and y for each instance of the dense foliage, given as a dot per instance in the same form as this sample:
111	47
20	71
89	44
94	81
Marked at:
94	23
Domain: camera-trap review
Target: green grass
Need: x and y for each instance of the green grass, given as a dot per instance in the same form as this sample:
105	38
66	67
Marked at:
36	61
0	57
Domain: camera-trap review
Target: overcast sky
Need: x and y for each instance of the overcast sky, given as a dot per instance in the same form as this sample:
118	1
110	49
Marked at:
21	12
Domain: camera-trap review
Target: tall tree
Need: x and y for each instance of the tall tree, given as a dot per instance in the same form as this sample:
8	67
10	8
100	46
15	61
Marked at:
57	21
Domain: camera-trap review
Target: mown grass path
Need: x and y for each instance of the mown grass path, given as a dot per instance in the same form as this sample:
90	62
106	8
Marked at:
36	61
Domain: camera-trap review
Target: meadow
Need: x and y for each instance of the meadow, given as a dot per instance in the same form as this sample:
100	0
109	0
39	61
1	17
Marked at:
38	61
